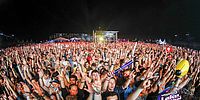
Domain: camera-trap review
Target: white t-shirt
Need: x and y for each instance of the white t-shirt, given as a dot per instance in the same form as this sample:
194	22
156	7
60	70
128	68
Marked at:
47	82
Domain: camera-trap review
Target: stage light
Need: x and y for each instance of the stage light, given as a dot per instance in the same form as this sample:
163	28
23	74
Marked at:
101	39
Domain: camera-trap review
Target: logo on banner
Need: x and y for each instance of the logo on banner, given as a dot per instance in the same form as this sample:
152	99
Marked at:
166	95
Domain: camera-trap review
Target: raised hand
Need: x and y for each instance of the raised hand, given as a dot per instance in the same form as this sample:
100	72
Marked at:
132	75
23	61
41	73
145	84
96	85
150	75
110	75
90	88
26	88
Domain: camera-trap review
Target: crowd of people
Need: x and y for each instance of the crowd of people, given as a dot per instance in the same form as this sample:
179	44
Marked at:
84	71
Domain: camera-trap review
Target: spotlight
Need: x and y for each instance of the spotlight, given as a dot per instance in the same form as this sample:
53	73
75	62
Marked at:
101	39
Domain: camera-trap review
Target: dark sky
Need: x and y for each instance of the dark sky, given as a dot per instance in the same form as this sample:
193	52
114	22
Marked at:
39	18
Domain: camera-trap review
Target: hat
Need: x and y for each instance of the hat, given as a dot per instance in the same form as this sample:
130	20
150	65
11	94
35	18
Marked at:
56	81
55	74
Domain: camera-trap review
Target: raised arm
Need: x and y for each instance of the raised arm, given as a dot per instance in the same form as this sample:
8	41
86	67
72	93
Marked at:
92	94
41	74
25	74
10	88
105	84
143	85
131	77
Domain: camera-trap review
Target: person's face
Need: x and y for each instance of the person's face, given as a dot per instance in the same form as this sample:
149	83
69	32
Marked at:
132	81
106	64
3	73
63	58
111	85
86	64
126	74
77	70
68	56
46	76
73	91
106	67
112	97
72	81
117	61
136	64
74	58
95	76
38	70
55	85
19	86
53	97
34	82
106	50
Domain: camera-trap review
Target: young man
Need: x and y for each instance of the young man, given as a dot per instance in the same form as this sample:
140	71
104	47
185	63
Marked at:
112	96
131	87
46	78
94	86
55	88
110	85
73	91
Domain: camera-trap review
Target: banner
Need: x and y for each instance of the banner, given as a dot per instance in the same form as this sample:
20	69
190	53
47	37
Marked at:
166	95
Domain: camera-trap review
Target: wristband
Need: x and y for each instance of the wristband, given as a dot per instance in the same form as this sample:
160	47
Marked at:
98	93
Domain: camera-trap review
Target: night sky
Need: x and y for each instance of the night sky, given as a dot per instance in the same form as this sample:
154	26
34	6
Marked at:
36	19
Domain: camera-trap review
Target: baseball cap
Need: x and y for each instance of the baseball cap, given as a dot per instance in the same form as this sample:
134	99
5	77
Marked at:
56	81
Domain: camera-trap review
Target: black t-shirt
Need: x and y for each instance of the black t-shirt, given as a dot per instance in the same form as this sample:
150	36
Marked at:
2	90
120	81
153	96
197	92
104	95
82	94
117	90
